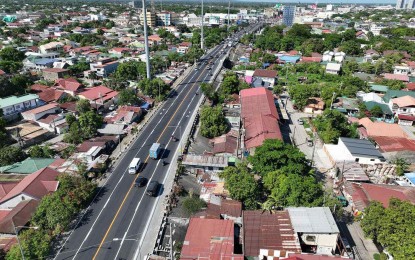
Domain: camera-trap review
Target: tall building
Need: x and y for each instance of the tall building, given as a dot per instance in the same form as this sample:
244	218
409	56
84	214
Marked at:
288	15
400	4
151	19
163	19
411	4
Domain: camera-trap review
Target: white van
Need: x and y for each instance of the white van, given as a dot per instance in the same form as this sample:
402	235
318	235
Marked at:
134	165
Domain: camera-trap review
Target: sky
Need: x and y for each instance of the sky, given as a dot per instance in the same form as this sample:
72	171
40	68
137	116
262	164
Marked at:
326	1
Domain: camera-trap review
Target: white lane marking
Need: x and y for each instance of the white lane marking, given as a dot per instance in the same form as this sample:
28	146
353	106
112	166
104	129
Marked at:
93	225
156	202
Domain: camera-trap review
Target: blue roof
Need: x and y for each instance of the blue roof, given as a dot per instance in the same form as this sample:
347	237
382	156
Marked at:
44	61
289	58
145	106
410	176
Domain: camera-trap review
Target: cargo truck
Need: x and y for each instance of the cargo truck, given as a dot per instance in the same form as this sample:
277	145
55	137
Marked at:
155	151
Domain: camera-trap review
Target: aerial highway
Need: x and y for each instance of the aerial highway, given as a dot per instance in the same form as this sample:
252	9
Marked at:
118	218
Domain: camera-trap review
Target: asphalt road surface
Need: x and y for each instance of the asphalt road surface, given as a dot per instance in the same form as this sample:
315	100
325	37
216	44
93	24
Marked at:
118	217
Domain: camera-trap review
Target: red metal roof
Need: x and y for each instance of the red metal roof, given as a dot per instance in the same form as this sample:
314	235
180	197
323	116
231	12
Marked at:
99	92
50	95
394	144
37	184
271	231
400	77
70	84
406	117
259	116
211	239
265	73
19	216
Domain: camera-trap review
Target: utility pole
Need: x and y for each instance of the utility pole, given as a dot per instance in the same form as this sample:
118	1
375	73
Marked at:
229	11
146	40
202	39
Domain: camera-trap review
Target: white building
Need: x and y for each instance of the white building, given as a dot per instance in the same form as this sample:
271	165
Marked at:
353	150
403	70
13	104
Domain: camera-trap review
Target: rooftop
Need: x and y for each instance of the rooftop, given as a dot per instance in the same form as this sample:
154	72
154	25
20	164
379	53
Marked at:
265	73
271	231
13	100
394	144
396	93
313	220
42	108
203	160
361	147
382	128
28	166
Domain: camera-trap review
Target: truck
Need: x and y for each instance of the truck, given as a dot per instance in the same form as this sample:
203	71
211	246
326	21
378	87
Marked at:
155	151
230	44
134	166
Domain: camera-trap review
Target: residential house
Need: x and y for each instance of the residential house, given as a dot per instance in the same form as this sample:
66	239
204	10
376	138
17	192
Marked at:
316	229
52	74
348	106
103	67
119	51
38	64
34	186
100	96
360	195
353	150
268	76
273	232
407	120
370	55
226	144
37	113
51	95
387	113
211	239
259	117
205	163
370	97
371	129
409	179
27	166
125	115
314	105
51	47
379	89
55	123
184	47
391	94
14	104
361	35
333	68
404	105
310	59
339	56
328	56
401	70
400	77
68	85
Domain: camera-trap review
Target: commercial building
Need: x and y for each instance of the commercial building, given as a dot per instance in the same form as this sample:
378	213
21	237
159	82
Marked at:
288	15
163	19
151	19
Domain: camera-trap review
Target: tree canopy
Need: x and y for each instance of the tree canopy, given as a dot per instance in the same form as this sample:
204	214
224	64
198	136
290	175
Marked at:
128	97
213	122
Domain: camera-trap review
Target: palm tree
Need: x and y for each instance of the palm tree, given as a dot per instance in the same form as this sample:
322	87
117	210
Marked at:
272	203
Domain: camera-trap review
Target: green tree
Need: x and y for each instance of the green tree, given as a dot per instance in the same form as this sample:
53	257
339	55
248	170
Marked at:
83	106
35	245
401	166
155	88
376	111
89	122
10	66
213	122
130	70
74	135
275	155
241	185
79	67
38	151
10	155
332	124
11	54
351	48
128	97
70	118
209	91
192	205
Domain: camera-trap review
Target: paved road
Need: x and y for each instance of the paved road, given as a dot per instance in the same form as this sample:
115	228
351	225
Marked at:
118	218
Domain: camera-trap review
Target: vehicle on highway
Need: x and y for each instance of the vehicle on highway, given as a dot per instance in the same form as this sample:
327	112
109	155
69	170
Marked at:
154	151
153	188
300	121
134	166
208	68
140	181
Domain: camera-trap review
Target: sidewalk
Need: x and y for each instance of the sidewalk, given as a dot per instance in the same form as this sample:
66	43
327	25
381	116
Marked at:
364	246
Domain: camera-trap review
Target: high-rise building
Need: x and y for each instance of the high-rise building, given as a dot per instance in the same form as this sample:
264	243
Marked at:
411	4
163	19
400	4
151	19
288	15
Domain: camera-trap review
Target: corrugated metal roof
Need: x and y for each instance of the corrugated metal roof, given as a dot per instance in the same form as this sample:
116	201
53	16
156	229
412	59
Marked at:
13	100
361	147
29	165
313	220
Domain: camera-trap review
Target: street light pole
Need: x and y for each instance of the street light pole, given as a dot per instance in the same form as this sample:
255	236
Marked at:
201	31
17	236
146	40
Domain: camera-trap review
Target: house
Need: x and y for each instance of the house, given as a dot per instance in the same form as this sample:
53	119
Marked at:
353	150
263	230
401	70
406	119
259	117
33	186
100	96
27	166
226	144
404	105
348	106
55	123
269	76
409	179
13	104
316	229
387	113
339	56
37	113
124	115
379	89
205	163
400	77
310	59
371	129
328	56
51	95
223	209
68	85
370	97
211	239
314	105
361	35
360	195
119	51
184	47
391	94
18	216
52	74
51	47
333	68
103	67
